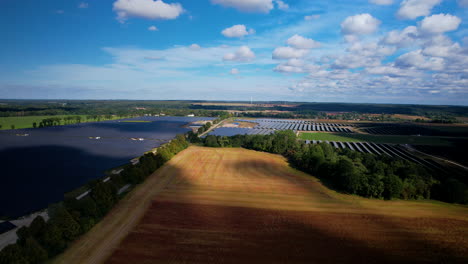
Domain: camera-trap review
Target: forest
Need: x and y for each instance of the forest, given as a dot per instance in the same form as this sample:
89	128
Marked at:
441	114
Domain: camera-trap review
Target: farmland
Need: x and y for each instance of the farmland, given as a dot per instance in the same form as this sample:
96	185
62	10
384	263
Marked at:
241	206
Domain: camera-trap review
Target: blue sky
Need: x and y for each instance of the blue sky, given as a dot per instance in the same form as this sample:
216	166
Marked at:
376	51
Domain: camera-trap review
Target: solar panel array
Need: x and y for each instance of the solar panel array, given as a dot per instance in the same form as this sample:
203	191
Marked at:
299	125
381	149
232	131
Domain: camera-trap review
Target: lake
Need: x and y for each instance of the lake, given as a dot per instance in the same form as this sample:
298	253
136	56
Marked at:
37	169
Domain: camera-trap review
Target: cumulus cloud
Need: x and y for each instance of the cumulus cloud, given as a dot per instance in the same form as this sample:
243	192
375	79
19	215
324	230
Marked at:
282	53
311	17
295	66
362	55
416	59
300	42
253	6
411	9
148	9
153	28
361	24
237	31
83	5
401	38
441	23
234	71
444	51
281	5
194	47
381	2
243	54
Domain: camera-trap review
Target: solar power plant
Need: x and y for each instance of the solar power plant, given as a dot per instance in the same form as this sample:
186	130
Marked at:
69	156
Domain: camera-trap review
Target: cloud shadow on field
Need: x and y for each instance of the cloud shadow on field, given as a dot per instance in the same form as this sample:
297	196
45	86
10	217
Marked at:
182	227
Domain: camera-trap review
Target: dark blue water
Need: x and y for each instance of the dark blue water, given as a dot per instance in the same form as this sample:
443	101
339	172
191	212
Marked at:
38	169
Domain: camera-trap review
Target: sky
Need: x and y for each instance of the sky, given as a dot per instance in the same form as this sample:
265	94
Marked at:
361	51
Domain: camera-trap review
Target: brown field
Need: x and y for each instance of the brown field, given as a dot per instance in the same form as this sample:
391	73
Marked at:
409	117
240	124
240	206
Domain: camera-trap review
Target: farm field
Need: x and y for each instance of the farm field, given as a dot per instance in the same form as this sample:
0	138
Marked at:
355	137
27	121
239	206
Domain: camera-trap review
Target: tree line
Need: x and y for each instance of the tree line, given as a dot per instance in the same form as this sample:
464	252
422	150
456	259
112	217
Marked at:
71	218
352	172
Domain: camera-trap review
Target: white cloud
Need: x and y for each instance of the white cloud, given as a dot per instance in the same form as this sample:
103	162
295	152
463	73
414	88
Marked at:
281	5
444	51
417	60
363	55
83	5
463	3
295	66
234	71
401	38
381	2
243	54
437	24
411	9
311	17
254	6
148	9
153	28
390	70
282	53
60	12
194	47
237	31
300	42
361	24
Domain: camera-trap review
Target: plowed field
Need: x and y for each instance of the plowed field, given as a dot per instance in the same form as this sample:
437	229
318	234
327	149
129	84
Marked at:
241	206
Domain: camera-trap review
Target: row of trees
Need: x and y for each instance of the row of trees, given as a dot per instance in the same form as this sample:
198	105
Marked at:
71	218
57	121
353	172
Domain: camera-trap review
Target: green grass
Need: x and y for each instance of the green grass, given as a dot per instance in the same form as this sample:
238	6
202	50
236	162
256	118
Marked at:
354	137
27	121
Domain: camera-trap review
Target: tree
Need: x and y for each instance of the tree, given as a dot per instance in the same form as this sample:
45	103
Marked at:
211	141
12	254
65	222
52	239
37	226
347	178
105	196
12	126
33	252
34	125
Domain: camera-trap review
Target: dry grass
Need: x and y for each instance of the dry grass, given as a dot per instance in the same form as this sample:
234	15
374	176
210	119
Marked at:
241	206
